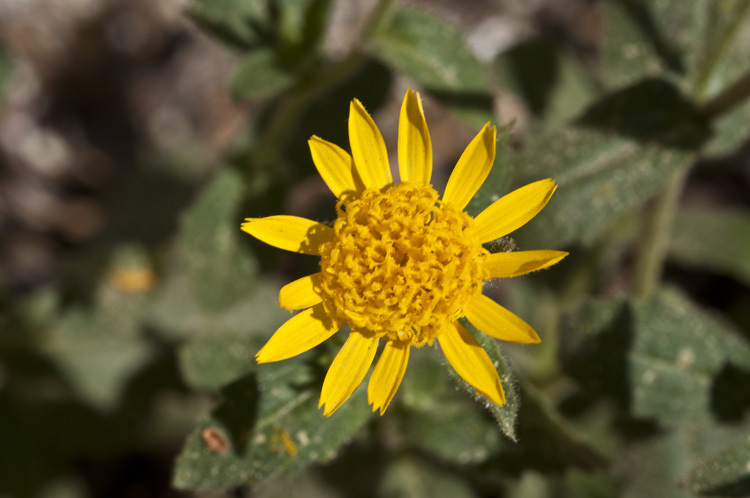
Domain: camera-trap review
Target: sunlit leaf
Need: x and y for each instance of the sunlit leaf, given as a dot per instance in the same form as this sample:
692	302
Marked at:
434	54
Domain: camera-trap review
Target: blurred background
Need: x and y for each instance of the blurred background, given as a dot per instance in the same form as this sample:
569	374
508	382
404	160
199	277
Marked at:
135	136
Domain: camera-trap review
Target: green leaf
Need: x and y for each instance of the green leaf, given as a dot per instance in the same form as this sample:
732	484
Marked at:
100	350
221	271
551	82
645	39
435	55
651	110
207	363
211	282
411	477
235	22
601	177
267	427
714	239
660	465
505	415
261	74
659	357
726	473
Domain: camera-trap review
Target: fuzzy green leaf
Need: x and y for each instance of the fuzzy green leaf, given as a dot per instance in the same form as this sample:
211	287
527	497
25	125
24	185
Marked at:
261	74
267	427
209	362
726	473
505	415
659	358
601	177
434	54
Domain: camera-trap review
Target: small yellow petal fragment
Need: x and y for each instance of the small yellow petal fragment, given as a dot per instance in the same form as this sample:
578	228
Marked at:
513	264
414	145
387	375
290	233
495	321
335	166
300	333
472	168
471	361
347	371
301	293
513	210
368	148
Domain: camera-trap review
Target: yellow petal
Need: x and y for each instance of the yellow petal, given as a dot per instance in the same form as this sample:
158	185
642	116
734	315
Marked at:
302	293
471	361
414	145
495	321
368	148
387	375
472	168
291	233
513	264
513	210
347	371
300	333
335	166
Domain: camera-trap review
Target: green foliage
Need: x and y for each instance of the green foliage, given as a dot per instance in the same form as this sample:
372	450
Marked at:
718	240
725	473
433	53
267	430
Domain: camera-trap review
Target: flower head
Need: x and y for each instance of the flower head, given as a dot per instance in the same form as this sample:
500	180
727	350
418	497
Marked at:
400	265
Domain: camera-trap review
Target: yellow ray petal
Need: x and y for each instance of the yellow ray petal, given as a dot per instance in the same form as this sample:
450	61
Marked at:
347	371
472	168
303	331
471	361
414	145
301	293
387	375
513	210
368	148
495	321
291	233
513	264
335	166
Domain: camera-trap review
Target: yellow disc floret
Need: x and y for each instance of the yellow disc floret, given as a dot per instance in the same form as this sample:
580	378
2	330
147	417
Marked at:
401	264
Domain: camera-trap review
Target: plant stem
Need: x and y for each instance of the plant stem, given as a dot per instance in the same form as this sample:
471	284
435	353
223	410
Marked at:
729	98
657	231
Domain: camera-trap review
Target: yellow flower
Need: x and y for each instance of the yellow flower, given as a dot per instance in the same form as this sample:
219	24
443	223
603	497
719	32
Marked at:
399	264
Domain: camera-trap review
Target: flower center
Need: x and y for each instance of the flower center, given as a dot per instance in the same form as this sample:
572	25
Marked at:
402	263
